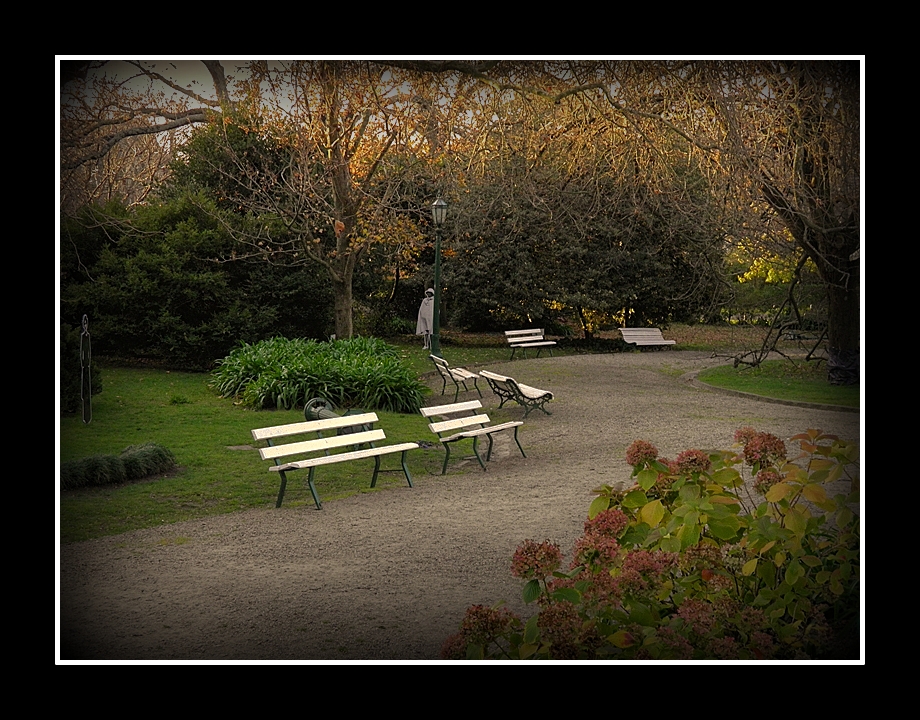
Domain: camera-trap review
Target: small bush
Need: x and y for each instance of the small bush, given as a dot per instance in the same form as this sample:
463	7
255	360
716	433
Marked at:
135	463
360	372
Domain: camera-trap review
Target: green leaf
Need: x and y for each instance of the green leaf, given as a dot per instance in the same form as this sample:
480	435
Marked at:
646	478
844	517
622	639
569	594
814	493
727	477
749	567
531	630
531	591
796	521
527	650
725	528
778	492
670	544
689	535
598	505
635	499
639	613
794	571
652	513
474	652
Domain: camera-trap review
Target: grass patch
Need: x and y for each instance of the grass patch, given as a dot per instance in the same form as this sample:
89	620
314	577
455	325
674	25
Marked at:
211	439
780	379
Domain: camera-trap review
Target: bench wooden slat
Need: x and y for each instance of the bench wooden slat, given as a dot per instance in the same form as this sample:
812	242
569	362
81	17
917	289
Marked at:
321	444
456	407
342	457
301	428
445	425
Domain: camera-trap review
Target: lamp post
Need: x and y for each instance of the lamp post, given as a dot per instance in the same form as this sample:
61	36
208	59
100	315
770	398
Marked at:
438	214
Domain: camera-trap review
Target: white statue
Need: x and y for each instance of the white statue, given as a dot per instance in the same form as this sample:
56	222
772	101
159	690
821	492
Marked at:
425	324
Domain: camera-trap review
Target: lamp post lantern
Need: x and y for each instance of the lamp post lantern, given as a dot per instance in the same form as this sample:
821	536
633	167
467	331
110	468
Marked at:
439	215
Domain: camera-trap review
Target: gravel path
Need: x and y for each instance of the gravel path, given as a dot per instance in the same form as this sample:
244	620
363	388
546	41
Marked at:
388	575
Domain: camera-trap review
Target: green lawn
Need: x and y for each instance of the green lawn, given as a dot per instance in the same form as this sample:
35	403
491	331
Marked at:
780	379
211	439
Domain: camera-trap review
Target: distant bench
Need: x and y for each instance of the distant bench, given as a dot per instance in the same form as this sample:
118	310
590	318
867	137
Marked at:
347	434
523	339
507	388
644	336
467	426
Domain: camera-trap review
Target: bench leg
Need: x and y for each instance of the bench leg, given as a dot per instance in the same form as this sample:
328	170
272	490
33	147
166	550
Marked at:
476	451
281	491
406	468
457	394
476	385
446	458
376	470
319	505
518	442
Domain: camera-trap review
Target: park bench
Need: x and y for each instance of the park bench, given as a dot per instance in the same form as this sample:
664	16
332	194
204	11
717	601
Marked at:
644	336
351	430
457	375
472	426
507	388
523	339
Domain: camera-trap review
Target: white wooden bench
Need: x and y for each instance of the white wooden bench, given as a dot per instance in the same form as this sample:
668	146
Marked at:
507	388
523	339
644	336
457	375
468	426
346	434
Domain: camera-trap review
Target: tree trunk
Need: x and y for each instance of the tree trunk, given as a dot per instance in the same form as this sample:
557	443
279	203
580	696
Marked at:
843	328
344	306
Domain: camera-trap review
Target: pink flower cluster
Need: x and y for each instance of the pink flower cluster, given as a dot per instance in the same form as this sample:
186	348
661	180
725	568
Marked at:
640	453
693	461
760	447
482	624
535	560
766	478
699	615
598	545
609	523
645	570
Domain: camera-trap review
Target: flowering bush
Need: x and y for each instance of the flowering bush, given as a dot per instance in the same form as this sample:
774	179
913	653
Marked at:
733	554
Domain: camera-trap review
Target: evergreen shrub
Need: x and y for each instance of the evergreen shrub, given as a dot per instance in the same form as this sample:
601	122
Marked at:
134	463
357	372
